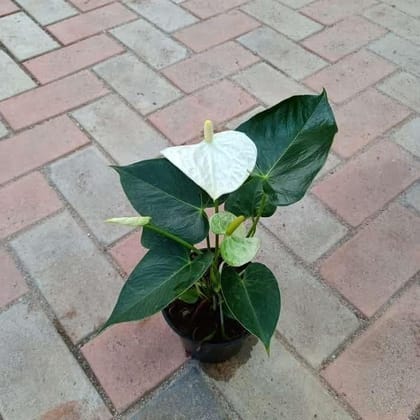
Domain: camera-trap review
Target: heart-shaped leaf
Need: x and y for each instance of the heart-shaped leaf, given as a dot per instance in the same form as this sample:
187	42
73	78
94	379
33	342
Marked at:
158	279
254	299
293	139
237	251
218	166
219	223
158	189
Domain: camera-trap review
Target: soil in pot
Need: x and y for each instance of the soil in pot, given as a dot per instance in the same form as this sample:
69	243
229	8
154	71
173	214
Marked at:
199	327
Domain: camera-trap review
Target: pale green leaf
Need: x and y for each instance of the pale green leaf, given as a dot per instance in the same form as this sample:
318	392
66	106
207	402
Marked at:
237	251
219	222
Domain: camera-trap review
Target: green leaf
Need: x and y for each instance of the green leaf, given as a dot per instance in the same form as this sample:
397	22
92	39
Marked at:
190	296
237	251
158	189
293	139
158	279
130	221
246	200
254	299
219	223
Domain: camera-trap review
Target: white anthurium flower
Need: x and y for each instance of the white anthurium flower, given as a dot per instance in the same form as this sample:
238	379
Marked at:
219	164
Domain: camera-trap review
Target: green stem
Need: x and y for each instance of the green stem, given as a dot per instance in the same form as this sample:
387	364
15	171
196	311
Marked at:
257	219
216	210
171	236
222	319
208	242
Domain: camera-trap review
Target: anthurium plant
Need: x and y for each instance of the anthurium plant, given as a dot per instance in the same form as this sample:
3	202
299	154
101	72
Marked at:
203	261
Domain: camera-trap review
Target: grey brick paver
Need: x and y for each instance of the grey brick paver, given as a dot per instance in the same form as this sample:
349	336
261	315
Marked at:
47	11
312	319
282	53
93	189
3	130
152	45
145	89
78	282
399	51
13	80
296	4
408	136
120	131
404	87
23	37
411	7
39	377
396	21
331	163
275	387
163	13
260	80
192	387
282	19
412	196
306	227
236	122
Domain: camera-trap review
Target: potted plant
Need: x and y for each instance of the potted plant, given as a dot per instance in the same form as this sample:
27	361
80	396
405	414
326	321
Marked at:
213	295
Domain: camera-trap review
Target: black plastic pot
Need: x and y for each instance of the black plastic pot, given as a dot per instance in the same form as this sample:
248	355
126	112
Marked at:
209	351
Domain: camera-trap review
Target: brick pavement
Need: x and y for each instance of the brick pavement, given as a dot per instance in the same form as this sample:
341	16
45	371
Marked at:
87	83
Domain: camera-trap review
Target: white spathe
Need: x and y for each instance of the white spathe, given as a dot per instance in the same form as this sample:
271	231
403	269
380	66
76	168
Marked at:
219	164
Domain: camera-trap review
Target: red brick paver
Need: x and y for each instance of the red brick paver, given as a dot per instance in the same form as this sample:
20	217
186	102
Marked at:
343	38
350	75
379	373
65	61
37	146
216	30
24	202
365	270
12	284
363	119
183	120
130	360
128	252
205	9
86	5
331	11
367	183
202	69
52	99
7	6
90	23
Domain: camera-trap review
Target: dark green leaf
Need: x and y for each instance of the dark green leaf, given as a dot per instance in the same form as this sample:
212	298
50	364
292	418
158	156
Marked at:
246	200
254	299
293	139
158	189
190	296
158	279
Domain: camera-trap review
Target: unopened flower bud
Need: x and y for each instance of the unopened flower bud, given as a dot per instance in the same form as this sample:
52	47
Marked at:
208	131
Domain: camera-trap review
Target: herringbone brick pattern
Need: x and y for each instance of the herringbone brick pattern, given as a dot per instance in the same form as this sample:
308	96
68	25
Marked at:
88	83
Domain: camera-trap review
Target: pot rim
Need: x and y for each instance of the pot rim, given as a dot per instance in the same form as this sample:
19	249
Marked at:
187	337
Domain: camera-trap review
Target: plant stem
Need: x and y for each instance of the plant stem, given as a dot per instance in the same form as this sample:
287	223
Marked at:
222	319
257	219
216	210
172	236
208	242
